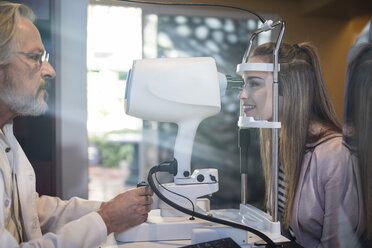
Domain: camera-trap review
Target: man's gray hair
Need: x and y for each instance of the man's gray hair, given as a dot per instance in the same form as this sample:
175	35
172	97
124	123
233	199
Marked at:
9	16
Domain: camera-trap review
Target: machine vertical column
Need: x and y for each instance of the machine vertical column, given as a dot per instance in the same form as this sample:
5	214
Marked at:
274	195
275	138
243	143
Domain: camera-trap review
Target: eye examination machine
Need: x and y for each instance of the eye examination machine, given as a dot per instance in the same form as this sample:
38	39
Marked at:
186	91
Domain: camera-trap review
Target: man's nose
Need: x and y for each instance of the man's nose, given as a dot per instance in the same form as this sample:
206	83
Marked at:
47	70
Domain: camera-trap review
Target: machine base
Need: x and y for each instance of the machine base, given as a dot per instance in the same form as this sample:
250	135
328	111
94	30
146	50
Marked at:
159	228
162	228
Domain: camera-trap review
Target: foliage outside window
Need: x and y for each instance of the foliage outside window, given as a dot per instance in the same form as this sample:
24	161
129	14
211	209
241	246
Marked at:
111	153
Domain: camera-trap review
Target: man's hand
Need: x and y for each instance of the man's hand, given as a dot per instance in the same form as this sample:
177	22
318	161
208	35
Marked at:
127	209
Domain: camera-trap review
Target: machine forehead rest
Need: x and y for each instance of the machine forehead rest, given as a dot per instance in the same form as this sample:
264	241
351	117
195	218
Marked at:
269	67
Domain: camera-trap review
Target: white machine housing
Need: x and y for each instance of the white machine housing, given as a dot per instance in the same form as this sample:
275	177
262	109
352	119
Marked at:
184	91
173	89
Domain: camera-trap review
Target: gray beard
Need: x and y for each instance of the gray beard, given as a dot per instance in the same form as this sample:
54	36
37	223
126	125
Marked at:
22	105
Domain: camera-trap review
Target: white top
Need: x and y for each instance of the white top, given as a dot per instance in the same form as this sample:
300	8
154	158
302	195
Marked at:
47	221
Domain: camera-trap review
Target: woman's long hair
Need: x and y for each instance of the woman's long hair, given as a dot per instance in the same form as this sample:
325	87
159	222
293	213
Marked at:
358	122
305	100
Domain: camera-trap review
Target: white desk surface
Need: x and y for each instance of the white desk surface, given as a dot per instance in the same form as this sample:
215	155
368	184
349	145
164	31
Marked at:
112	243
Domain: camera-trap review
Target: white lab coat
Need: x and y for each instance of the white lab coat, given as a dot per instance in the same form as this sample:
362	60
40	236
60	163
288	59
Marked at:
47	221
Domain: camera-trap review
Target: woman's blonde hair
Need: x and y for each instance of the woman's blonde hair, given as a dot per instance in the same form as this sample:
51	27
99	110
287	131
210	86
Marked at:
305	99
358	122
9	16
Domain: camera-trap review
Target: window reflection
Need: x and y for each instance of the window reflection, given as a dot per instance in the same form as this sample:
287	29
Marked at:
357	130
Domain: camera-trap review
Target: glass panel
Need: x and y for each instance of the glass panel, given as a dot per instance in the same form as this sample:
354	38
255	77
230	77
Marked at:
224	39
114	41
115	36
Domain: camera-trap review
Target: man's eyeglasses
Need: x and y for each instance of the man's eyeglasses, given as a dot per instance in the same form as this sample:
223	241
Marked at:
37	57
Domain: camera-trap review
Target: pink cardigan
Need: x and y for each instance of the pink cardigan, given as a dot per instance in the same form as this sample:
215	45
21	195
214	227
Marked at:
328	209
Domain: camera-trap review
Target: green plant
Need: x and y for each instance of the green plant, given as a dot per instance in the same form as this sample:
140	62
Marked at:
112	152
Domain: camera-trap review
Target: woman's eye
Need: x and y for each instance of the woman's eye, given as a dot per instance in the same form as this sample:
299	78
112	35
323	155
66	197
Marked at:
253	83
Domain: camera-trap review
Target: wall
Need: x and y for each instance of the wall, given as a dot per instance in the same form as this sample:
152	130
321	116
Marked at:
333	37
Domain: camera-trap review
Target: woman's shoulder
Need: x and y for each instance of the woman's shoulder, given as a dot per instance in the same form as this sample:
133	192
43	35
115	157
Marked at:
329	156
321	136
331	142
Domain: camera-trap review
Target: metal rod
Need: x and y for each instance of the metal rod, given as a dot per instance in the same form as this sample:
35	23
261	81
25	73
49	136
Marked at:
244	188
275	151
253	36
275	134
247	51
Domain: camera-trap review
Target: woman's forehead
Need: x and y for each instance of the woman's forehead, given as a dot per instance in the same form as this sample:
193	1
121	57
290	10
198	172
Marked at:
258	59
257	74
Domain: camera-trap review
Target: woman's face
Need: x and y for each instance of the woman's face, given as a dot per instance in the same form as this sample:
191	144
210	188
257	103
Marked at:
257	93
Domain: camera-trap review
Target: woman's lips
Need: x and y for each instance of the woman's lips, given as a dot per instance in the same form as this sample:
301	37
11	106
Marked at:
247	108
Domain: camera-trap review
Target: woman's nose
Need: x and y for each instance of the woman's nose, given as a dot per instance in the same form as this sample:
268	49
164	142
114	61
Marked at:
243	94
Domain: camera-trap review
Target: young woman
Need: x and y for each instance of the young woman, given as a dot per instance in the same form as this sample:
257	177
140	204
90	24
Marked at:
318	184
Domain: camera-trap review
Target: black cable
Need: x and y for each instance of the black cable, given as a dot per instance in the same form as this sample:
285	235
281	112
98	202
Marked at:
192	204
150	180
262	19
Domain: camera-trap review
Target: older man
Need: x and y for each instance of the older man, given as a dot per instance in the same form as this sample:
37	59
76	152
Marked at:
26	219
